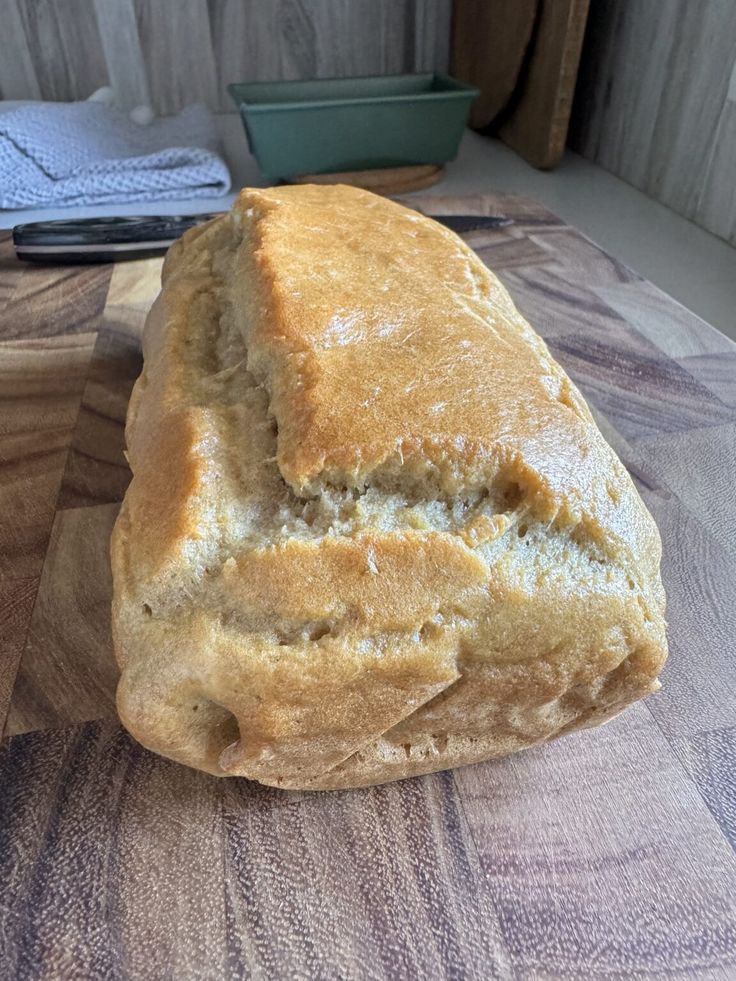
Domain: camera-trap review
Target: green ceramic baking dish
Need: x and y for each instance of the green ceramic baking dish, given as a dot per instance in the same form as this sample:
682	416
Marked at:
333	124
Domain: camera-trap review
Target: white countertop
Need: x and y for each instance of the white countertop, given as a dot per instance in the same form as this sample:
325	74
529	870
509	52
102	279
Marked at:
689	263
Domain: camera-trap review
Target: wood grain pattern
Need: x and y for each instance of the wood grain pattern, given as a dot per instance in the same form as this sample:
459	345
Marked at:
66	27
432	23
537	127
121	44
640	394
17	75
711	451
257	883
716	371
710	759
48	300
175	52
644	886
96	470
573	250
523	56
608	854
489	43
42	382
674	329
8	268
17	597
66	673
655	103
698	692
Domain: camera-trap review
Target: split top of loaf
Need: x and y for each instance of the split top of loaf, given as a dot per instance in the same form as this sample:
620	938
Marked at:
394	358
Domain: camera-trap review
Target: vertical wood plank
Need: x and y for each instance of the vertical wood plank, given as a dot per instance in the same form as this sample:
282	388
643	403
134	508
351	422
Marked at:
489	41
18	78
295	39
432	20
177	47
389	32
384	899
692	101
624	68
65	47
42	383
360	38
653	103
96	468
699	575
298	22
715	207
175	52
710	759
8	268
118	29
247	43
537	128
100	830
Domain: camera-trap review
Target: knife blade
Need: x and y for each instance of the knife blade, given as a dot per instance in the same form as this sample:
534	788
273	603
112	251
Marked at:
76	240
462	224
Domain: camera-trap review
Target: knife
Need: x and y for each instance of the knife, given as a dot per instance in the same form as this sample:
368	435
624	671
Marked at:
113	239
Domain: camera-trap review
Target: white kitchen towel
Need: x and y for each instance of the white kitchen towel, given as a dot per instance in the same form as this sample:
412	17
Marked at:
56	153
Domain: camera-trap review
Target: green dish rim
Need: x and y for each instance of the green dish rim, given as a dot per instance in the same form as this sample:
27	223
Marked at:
459	91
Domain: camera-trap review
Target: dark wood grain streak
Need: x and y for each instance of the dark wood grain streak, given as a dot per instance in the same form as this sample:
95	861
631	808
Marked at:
42	383
17	597
608	854
96	469
710	759
8	268
716	371
642	395
67	672
50	301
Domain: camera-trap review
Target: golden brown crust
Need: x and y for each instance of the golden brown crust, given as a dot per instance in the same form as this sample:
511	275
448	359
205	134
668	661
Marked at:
373	529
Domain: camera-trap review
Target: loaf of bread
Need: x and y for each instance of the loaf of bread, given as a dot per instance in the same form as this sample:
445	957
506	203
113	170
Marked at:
373	530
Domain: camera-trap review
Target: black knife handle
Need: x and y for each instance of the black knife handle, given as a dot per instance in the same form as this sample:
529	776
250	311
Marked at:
101	239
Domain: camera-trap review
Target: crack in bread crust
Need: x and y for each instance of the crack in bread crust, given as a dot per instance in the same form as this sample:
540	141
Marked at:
305	632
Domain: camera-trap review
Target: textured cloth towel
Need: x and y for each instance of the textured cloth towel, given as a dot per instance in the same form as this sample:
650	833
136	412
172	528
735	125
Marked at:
88	153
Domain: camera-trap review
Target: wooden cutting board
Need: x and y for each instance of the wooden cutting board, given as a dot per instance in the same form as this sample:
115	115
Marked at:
523	55
609	853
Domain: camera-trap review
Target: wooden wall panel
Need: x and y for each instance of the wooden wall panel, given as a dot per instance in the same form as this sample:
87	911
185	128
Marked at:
656	103
179	51
17	75
126	68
